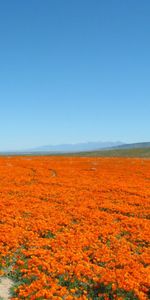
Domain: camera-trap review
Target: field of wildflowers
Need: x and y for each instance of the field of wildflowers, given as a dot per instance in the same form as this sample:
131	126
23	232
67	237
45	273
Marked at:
75	228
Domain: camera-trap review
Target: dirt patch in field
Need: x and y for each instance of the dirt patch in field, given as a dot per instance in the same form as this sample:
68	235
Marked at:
53	173
5	285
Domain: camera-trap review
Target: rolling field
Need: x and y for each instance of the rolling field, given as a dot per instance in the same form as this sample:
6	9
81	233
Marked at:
75	227
133	152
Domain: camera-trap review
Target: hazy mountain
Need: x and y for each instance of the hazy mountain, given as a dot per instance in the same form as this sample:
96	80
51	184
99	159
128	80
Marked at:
77	148
89	146
133	145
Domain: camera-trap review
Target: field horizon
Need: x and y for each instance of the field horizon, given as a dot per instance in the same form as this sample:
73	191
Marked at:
122	150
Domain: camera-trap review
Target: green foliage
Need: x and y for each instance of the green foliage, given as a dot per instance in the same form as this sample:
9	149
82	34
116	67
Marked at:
95	291
47	235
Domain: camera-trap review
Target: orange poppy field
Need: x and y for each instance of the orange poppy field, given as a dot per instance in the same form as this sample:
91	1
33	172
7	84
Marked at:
75	227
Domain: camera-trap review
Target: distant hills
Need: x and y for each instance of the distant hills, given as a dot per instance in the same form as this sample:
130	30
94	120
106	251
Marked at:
79	147
143	152
134	145
88	149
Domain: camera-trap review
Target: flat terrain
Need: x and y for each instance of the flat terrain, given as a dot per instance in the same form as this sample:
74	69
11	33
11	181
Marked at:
133	152
75	227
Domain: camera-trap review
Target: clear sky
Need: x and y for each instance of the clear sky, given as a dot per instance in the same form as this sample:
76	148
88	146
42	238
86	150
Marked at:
74	70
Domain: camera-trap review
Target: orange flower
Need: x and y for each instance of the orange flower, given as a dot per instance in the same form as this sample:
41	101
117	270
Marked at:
69	225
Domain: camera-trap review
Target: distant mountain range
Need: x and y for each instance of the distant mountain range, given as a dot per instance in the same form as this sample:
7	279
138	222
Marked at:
79	147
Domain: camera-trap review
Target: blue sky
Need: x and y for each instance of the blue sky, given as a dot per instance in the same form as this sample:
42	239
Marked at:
74	70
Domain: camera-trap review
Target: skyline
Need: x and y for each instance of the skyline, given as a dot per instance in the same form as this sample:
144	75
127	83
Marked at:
74	71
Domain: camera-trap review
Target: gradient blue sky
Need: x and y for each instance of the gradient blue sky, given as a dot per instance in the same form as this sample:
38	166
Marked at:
74	70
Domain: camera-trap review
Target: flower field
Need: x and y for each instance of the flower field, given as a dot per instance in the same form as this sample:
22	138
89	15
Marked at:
75	228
